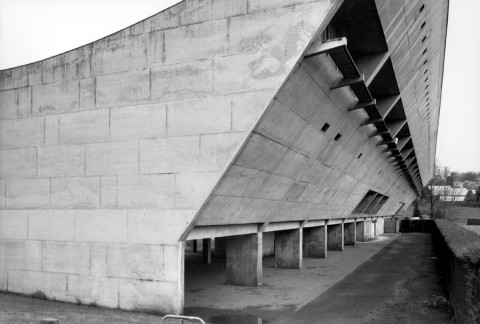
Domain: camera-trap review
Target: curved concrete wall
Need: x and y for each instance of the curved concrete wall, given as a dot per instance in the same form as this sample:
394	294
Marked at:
108	151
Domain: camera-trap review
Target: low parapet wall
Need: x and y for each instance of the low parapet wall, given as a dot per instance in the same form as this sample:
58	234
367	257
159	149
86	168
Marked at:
459	256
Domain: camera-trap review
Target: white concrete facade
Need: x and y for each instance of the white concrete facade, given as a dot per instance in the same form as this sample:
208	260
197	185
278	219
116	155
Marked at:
113	153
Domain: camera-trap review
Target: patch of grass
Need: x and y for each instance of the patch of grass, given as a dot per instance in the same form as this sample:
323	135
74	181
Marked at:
464	243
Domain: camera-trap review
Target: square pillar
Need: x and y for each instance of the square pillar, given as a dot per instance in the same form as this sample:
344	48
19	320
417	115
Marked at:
335	237
350	234
315	240
220	250
360	231
288	249
244	260
207	251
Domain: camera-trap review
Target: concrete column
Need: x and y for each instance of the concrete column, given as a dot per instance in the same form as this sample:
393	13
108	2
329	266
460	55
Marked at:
374	222
288	249
207	251
220	250
244	260
315	240
360	231
379	226
369	230
350	234
335	237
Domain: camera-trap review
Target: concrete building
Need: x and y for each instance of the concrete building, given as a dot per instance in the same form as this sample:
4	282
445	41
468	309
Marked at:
292	126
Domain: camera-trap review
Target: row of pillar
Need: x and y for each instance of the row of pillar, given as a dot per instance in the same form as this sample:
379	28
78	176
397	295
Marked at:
244	253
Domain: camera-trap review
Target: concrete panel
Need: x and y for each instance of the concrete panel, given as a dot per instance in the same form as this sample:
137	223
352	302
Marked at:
261	5
61	161
335	238
199	116
146	191
75	192
135	261
123	89
112	158
315	240
13	224
119	55
173	154
248	107
55	97
288	249
84	127
67	66
94	290
191	189
108	191
20	254
98	259
53	285
244	260
182	81
88	89
15	103
19	163
28	193
249	71
242	182
66	257
3	279
150	296
138	122
27	132
280	28
51	130
196	42
217	150
101	226
53	225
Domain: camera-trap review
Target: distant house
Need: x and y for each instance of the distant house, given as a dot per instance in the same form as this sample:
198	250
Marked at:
469	185
447	193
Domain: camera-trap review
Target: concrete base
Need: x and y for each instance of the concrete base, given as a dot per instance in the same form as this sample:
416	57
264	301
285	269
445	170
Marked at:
350	233
315	242
335	237
288	249
220	250
244	260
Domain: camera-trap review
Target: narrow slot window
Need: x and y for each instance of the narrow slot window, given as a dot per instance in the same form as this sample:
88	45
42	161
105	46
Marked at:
425	62
424	39
337	138
425	71
422	7
424	51
325	127
360	155
423	25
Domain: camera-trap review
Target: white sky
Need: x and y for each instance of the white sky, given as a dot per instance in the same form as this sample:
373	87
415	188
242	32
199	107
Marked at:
32	30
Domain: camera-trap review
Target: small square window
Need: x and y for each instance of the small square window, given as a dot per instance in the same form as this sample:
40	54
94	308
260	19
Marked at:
325	127
337	138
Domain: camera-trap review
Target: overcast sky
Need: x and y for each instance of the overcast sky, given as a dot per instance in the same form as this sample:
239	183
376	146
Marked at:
31	30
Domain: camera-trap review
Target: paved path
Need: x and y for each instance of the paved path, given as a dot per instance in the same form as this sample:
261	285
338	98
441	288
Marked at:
397	285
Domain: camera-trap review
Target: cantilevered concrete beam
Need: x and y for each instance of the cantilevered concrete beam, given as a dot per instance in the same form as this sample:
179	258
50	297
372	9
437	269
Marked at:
322	47
385	105
360	105
288	249
244	260
396	126
315	240
345	82
370	65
